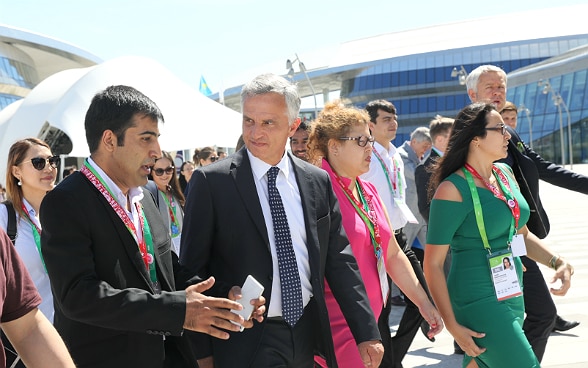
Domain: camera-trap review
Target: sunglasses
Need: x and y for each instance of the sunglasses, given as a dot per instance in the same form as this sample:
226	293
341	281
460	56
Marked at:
39	163
501	128
168	170
362	140
213	158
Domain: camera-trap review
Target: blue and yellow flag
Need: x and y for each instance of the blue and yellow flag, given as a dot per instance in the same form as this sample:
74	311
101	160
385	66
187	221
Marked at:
204	87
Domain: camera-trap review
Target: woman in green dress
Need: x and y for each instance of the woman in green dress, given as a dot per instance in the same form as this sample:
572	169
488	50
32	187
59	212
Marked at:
479	214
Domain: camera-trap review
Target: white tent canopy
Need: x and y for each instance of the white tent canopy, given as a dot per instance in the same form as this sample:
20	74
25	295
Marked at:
191	119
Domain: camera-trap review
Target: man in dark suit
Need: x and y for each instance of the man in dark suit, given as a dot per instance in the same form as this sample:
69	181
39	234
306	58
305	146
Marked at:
439	129
230	232
108	252
487	83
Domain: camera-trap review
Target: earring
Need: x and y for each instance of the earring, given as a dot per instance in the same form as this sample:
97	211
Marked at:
19	183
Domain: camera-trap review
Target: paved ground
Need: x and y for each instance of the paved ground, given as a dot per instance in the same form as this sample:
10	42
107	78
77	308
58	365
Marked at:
568	214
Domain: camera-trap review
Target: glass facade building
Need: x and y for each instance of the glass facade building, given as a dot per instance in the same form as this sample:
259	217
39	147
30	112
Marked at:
413	69
421	86
27	58
552	97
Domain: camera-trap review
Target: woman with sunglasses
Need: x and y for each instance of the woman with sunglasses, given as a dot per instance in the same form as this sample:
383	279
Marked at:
30	173
341	137
205	156
479	214
170	197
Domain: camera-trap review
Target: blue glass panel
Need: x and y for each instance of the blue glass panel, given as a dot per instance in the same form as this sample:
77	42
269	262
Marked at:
432	104
414	106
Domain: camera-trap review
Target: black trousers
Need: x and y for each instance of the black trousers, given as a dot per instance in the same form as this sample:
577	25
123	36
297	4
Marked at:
283	346
411	320
539	307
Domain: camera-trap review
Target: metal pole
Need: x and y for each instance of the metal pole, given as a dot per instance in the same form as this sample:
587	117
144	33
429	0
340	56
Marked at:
561	134
530	128
303	69
570	148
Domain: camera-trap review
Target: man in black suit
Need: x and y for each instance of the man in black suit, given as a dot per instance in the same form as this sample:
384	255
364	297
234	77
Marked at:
439	129
108	252
487	83
229	233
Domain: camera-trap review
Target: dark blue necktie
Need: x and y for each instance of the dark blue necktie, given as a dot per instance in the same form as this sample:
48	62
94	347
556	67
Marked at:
292	307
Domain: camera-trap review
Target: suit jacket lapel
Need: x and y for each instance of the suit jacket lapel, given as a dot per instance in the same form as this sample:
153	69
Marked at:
308	195
163	276
127	240
244	180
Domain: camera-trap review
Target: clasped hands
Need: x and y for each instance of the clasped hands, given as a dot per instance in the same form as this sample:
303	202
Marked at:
213	316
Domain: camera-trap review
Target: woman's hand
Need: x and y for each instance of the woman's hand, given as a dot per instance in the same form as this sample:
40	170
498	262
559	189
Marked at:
563	272
433	318
465	339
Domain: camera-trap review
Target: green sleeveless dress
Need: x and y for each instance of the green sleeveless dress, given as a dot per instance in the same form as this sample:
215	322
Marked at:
469	281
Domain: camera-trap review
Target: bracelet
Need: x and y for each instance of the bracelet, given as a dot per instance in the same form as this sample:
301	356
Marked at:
553	261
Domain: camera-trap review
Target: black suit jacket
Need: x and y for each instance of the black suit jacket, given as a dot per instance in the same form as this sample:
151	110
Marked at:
528	168
105	308
422	177
225	236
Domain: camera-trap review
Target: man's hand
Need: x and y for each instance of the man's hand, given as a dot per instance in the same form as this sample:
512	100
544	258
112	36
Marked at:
371	353
209	315
258	306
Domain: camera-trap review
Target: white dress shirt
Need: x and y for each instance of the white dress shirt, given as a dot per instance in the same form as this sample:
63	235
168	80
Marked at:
377	176
288	188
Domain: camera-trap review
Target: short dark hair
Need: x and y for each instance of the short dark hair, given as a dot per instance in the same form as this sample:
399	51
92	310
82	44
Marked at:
113	109
303	126
373	106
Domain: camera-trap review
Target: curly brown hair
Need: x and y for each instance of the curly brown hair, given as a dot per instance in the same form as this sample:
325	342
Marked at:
336	120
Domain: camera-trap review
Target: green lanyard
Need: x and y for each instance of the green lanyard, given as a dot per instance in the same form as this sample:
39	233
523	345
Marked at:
478	212
36	234
391	183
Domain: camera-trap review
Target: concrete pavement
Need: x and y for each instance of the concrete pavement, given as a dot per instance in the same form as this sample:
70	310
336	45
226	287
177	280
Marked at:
568	215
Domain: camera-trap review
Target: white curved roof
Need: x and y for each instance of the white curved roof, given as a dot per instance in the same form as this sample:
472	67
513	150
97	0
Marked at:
61	100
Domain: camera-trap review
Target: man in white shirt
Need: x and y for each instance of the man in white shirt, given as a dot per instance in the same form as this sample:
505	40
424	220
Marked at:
387	174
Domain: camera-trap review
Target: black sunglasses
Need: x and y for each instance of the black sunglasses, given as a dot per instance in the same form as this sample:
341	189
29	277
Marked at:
362	140
39	163
213	158
168	170
501	128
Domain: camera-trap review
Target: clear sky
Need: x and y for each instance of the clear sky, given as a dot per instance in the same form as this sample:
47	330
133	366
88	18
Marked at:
222	39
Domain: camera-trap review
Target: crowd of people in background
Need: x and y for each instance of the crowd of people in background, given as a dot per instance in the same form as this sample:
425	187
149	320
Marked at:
138	260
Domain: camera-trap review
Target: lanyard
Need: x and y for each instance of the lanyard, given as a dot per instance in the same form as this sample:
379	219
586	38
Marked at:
366	211
391	183
171	207
145	242
507	197
36	234
479	215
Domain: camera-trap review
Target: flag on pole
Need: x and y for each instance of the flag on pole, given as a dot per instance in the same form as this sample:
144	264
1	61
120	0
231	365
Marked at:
204	87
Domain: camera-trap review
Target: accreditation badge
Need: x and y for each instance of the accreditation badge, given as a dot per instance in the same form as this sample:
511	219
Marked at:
384	286
176	241
518	246
504	275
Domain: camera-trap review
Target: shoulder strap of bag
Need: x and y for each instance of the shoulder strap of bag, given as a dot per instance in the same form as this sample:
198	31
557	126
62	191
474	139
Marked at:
11	226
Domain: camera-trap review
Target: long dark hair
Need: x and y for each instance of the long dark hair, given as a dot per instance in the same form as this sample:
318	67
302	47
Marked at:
469	123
